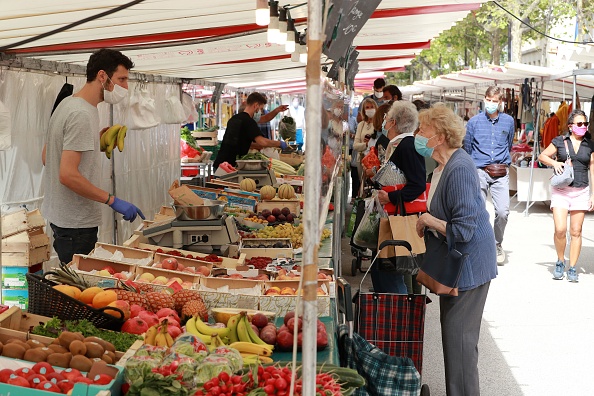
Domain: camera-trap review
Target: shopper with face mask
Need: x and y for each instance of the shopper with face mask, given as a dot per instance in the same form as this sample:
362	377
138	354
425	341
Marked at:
243	133
377	96
71	155
574	199
363	136
488	140
457	202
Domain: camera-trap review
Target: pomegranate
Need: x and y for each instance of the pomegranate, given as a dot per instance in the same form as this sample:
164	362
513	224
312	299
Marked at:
169	264
174	331
260	320
135	326
150	318
288	316
170	321
284	340
164	312
321	340
294	326
135	310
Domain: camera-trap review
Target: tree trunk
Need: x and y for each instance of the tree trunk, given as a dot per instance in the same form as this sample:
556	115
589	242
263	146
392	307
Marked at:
496	48
516	40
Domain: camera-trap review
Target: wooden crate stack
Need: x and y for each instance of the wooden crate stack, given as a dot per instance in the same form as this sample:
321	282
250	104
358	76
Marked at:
25	246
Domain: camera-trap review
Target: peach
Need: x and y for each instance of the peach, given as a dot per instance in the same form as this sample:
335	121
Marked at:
104	273
160	280
148	276
204	270
272	291
287	291
187	285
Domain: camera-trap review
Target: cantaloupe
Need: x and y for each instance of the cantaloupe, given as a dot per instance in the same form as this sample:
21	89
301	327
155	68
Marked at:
267	193
248	184
286	191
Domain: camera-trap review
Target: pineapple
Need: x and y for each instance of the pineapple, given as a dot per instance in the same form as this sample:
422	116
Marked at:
195	308
158	300
181	297
132	298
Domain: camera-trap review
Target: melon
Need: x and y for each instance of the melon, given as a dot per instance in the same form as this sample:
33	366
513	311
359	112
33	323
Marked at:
267	193
286	191
247	184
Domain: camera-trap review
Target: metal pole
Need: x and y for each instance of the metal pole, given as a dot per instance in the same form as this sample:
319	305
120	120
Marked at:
312	188
534	149
574	91
113	183
337	225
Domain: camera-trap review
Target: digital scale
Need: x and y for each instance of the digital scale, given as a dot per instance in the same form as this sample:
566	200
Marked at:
193	234
262	177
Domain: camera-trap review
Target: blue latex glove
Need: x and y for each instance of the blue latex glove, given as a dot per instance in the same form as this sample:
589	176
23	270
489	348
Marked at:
283	145
127	209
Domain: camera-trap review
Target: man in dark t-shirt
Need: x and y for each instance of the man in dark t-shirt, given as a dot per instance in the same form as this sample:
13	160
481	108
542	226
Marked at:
242	132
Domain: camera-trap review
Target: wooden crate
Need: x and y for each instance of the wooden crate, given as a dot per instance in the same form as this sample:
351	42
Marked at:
128	252
292	159
271	252
25	248
20	221
226	263
206	138
292	204
85	264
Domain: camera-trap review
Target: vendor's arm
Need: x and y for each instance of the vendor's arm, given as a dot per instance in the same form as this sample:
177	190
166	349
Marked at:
71	178
264	118
263	142
546	157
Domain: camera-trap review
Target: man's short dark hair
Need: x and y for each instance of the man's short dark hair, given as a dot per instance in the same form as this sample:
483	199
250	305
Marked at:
107	60
394	91
256	97
379	83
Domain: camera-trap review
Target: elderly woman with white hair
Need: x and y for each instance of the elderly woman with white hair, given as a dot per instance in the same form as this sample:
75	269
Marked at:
401	122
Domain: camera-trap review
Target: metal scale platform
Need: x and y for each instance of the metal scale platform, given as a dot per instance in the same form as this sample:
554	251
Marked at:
194	235
262	177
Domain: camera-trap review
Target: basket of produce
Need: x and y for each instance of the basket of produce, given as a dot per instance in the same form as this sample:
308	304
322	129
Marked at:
45	298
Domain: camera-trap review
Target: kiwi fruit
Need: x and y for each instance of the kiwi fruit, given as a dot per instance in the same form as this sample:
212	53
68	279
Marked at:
35	355
105	357
78	347
56	341
19	342
1	346
13	350
46	350
109	347
59	359
81	363
98	340
94	350
111	355
67	337
57	348
35	344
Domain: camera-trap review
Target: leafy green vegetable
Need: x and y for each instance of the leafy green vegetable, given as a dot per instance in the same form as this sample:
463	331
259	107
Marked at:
155	384
186	135
54	327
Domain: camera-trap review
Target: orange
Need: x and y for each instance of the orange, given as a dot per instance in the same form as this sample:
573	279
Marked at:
104	298
87	295
121	304
71	291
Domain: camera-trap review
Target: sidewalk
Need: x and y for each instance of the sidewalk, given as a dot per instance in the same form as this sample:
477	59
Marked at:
537	334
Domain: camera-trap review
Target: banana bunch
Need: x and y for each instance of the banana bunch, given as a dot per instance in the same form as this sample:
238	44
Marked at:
112	137
244	338
157	335
211	336
249	359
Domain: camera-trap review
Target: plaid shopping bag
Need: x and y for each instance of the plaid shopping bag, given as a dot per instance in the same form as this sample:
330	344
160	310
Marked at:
385	375
395	323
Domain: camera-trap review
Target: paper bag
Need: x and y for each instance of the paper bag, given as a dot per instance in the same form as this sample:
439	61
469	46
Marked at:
385	233
183	195
404	228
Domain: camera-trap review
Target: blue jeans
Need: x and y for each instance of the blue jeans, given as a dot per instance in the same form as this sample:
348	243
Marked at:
71	241
499	188
387	282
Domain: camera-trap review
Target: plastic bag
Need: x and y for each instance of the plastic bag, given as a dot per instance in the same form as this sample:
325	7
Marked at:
389	175
367	233
188	151
371	159
287	128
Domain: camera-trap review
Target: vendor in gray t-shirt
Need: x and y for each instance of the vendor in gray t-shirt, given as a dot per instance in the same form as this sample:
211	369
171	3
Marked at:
71	157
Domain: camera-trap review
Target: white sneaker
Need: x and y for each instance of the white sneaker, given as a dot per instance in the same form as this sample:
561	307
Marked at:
500	255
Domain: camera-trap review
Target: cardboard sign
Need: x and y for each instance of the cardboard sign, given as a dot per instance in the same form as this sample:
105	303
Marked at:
184	195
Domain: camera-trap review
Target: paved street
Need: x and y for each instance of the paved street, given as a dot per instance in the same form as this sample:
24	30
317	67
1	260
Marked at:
537	335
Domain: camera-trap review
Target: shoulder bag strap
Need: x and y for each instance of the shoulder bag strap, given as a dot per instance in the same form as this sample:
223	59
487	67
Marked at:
567	150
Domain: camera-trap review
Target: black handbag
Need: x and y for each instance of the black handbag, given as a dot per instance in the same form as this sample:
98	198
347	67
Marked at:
442	265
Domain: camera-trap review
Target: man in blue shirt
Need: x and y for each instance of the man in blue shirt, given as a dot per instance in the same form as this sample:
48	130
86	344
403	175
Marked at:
488	140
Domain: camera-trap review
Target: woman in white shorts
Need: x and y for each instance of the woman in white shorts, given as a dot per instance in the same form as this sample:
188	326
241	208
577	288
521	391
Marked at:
575	199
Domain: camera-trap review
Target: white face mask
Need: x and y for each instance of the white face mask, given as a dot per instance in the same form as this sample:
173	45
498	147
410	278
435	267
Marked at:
118	94
337	112
257	115
379	94
370	112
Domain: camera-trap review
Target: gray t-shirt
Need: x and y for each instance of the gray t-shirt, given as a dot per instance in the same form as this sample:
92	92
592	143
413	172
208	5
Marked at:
74	126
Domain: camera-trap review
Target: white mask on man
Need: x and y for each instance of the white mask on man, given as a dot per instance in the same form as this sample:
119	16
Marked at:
115	96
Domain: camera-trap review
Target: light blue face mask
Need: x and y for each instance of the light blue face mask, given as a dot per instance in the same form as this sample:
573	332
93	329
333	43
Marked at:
421	145
384	131
491	107
257	115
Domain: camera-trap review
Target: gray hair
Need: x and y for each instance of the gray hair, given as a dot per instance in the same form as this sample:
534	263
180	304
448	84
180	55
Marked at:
405	115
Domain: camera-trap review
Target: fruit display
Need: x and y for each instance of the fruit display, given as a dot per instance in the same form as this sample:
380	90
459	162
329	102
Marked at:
289	231
248	185
292	325
286	191
42	376
267	193
259	262
113	137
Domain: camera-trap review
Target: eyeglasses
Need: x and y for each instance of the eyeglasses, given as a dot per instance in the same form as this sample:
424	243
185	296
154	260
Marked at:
581	123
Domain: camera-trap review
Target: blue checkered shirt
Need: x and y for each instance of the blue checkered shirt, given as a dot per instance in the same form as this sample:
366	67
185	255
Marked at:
489	141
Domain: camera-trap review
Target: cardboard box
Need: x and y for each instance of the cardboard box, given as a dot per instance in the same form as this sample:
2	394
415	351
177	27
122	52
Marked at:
16	297
183	195
225	292
15	277
292	204
84	265
20	221
246	248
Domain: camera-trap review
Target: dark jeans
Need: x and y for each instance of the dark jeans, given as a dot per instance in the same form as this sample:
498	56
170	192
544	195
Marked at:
71	241
355	182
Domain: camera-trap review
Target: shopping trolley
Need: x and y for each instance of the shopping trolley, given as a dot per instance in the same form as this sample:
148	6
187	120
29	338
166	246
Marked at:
393	324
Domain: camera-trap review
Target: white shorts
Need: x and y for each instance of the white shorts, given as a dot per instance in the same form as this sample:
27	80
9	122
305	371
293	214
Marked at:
570	198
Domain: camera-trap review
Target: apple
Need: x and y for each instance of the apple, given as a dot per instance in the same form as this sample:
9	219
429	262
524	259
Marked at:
55	377
291	324
148	276
288	316
70	373
169	264
65	386
105	273
109	269
203	270
259	320
5	375
43	368
19	381
35	379
102	379
24	372
180	267
120	275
